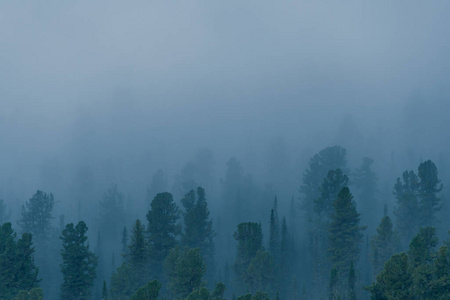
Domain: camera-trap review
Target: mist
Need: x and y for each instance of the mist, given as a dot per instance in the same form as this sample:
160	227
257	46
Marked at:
95	94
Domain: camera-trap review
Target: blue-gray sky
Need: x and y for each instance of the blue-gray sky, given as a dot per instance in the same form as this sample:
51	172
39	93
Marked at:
88	81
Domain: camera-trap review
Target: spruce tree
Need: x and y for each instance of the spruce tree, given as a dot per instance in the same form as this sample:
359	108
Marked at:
345	233
184	269
198	232
407	206
383	244
429	187
37	215
163	229
17	269
249	238
79	263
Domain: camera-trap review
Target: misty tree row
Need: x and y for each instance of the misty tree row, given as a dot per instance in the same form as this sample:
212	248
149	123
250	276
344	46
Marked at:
329	245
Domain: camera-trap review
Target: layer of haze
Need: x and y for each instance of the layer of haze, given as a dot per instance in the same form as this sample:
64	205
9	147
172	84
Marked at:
126	88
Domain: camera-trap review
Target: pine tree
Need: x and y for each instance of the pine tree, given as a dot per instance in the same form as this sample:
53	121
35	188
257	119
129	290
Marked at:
184	269
37	214
260	275
162	229
17	269
249	238
79	264
383	244
197	225
330	158
149	291
407	208
429	187
344	233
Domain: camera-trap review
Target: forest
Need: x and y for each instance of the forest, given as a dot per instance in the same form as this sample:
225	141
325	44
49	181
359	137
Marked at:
337	240
210	150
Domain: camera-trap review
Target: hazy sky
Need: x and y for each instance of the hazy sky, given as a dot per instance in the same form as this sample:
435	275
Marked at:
86	80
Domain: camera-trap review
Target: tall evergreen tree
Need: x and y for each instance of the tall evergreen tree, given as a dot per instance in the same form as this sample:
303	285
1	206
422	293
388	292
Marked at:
345	233
198	232
330	158
407	208
37	215
249	238
17	269
383	244
163	229
185	269
429	187
323	208
79	263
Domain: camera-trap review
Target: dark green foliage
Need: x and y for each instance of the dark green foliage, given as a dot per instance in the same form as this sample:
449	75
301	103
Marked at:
79	264
33	294
138	249
17	269
383	244
260	296
422	247
135	271
149	291
249	238
245	297
407	209
329	189
259	275
162	229
218	292
344	232
423	273
198	232
37	214
429	187
395	281
184	269
330	158
204	294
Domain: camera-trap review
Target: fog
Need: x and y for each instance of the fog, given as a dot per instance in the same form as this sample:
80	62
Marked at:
108	92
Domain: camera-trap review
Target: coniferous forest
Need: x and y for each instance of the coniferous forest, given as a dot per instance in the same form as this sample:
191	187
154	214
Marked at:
212	150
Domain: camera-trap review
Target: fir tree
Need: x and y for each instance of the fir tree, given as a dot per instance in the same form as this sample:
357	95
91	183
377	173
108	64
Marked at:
79	264
37	214
383	244
197	225
249	238
17	269
344	233
407	208
429	187
162	229
184	269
